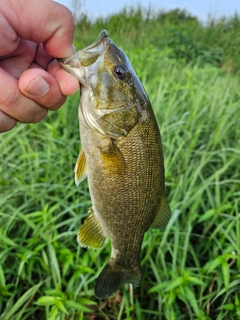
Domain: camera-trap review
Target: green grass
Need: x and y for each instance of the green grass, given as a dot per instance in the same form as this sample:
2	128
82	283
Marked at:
190	269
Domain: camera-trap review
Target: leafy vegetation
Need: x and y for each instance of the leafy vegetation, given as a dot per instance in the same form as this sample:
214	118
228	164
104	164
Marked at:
190	269
186	39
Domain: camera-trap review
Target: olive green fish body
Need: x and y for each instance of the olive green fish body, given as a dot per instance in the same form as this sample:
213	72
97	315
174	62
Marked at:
123	160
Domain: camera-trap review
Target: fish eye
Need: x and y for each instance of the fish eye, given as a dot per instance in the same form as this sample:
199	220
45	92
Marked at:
120	72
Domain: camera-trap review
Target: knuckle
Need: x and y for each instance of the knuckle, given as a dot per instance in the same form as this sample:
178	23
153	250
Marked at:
6	122
10	96
58	104
39	115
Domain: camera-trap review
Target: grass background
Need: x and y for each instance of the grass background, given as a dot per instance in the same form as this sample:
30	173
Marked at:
191	269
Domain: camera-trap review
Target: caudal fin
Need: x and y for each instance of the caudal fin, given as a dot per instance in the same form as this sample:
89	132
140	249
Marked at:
113	276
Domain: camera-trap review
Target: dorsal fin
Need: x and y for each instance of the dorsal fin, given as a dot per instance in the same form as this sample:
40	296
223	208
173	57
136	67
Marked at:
163	215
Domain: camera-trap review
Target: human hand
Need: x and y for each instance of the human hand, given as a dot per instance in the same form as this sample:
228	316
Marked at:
31	80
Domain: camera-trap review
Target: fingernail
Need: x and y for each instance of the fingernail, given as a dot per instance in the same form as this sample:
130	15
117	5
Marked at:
38	87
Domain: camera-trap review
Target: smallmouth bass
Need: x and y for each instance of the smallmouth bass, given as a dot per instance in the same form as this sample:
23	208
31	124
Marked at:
122	157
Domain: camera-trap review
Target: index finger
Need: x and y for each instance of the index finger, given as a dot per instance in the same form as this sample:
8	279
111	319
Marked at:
39	21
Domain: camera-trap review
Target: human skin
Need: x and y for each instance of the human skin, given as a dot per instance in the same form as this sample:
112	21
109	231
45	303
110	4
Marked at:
33	34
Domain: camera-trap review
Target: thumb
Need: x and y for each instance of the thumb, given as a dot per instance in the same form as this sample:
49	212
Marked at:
15	104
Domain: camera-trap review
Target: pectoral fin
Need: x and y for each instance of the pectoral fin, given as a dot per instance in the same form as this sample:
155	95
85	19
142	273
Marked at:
80	168
91	233
163	215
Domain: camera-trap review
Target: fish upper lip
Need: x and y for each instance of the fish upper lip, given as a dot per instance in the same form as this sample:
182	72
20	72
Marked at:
91	49
103	34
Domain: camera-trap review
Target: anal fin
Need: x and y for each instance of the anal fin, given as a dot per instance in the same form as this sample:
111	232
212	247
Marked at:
163	215
80	168
90	233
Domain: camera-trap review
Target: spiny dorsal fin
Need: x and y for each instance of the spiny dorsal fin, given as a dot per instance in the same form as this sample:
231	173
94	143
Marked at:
163	215
80	168
91	233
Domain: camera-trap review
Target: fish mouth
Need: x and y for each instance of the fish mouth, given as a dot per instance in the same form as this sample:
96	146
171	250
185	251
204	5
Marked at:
95	45
88	55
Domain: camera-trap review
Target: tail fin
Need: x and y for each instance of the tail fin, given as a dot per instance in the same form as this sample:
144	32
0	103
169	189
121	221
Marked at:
113	276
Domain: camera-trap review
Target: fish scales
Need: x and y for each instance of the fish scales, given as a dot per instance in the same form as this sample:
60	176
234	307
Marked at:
122	158
132	196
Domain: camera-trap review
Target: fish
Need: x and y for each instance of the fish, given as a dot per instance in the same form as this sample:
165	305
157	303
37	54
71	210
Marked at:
122	158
